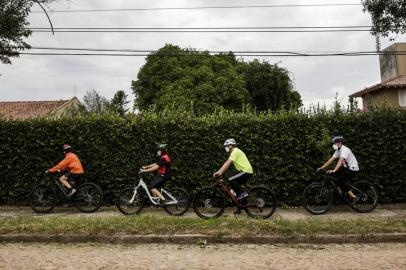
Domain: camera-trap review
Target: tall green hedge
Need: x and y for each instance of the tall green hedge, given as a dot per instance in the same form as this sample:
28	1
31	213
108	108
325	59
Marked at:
284	149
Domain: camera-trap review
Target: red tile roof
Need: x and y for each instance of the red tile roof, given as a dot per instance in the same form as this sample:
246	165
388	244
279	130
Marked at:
397	82
21	110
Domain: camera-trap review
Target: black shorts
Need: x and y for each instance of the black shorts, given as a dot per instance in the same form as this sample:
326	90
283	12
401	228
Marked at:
159	181
73	177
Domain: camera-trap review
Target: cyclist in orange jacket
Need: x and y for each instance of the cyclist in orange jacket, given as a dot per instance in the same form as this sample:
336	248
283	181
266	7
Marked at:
71	165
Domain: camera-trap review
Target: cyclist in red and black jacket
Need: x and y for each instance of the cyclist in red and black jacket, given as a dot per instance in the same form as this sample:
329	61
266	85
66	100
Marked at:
163	169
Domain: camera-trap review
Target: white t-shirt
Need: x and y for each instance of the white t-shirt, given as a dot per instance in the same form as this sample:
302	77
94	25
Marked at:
349	159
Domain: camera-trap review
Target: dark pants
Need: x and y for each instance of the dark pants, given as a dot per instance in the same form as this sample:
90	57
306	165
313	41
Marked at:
238	180
344	177
159	181
73	178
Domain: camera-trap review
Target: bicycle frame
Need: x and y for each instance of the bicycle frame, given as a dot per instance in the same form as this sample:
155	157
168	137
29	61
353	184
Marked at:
328	179
143	185
222	184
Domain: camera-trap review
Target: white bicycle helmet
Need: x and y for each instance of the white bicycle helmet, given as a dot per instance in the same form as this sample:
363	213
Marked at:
230	141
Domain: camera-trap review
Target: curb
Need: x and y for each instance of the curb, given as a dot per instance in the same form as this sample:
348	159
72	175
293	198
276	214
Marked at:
207	239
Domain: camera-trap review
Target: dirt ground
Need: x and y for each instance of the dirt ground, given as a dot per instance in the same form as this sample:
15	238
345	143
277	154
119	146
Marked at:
98	256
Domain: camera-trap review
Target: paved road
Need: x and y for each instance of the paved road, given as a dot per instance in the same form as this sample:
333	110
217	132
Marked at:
93	256
398	210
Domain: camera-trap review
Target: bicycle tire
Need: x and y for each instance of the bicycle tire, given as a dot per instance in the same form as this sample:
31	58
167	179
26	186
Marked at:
309	199
88	197
37	193
183	204
208	203
359	185
260	198
123	202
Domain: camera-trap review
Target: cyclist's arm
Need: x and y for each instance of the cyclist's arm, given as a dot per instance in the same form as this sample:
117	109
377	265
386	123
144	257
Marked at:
62	166
339	164
225	167
151	168
331	160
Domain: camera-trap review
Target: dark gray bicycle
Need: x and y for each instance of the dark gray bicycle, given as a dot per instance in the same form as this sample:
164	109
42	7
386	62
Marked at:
319	197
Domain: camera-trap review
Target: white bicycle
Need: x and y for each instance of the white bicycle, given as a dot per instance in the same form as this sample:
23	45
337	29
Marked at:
132	200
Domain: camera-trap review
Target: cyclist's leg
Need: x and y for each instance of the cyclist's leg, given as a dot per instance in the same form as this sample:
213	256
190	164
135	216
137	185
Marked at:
238	180
64	180
156	184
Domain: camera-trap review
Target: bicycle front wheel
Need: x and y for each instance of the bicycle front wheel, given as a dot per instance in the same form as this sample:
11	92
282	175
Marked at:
368	197
317	199
182	202
88	197
260	203
128	205
208	203
42	199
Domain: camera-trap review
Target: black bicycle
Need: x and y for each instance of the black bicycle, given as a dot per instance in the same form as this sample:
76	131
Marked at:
209	202
88	198
318	197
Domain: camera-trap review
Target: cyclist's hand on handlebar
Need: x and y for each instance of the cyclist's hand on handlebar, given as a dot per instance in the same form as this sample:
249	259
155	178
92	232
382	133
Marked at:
330	171
319	170
141	171
46	172
216	174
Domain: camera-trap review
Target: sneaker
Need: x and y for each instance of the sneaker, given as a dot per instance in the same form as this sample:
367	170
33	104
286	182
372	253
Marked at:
71	192
355	200
242	195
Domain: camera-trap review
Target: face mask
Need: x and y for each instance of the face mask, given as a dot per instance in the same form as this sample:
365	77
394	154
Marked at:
335	147
159	153
227	149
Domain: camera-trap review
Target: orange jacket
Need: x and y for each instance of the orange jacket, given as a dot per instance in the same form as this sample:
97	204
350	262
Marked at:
71	163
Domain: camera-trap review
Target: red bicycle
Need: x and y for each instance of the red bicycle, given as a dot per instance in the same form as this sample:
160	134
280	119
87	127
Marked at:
209	202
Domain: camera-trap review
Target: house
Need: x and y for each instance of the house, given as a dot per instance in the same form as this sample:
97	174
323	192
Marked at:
23	110
391	91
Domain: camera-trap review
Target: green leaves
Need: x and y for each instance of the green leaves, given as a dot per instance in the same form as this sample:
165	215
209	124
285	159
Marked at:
284	149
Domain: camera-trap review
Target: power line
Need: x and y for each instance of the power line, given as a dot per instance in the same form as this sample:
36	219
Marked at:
291	54
289	29
204	7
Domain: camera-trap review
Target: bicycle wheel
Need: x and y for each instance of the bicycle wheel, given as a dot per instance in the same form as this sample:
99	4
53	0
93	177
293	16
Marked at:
368	197
208	203
260	203
182	205
42	199
127	206
88	197
317	199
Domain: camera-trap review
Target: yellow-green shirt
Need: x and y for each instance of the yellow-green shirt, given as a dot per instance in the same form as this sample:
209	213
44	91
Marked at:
240	161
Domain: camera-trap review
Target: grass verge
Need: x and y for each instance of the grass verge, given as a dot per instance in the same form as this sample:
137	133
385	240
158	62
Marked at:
148	224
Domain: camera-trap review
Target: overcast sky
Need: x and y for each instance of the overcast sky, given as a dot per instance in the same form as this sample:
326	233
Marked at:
316	79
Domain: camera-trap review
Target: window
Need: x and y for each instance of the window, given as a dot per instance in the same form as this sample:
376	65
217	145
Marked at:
402	98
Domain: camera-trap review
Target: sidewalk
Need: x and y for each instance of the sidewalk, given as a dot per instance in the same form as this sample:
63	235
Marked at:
299	213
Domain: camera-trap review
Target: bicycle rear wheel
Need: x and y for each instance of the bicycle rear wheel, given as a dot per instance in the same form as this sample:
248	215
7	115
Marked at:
182	204
88	197
368	197
260	203
42	199
127	206
317	199
208	203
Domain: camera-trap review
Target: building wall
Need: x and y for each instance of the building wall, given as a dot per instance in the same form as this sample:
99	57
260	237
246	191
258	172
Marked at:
384	97
393	65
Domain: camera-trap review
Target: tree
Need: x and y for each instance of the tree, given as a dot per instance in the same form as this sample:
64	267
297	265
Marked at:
95	103
270	87
13	27
387	16
186	78
118	103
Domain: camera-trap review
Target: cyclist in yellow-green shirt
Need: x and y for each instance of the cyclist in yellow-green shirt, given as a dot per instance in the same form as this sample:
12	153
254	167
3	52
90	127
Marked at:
241	163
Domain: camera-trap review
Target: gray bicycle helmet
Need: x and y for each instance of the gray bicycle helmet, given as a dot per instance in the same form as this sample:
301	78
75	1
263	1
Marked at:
230	142
337	138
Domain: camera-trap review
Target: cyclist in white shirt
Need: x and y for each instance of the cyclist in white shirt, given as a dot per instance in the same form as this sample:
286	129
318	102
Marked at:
346	167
